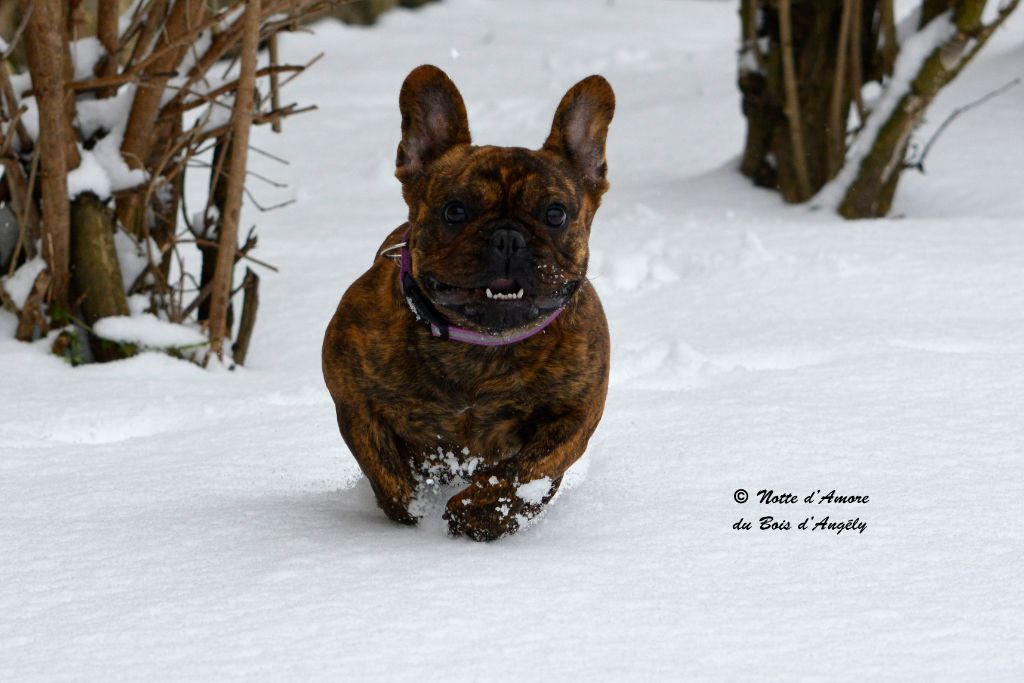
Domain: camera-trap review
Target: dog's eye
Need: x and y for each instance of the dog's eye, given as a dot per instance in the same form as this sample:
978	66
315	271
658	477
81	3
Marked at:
555	216
454	213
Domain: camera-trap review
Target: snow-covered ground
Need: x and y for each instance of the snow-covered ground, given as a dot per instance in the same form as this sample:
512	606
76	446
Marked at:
159	521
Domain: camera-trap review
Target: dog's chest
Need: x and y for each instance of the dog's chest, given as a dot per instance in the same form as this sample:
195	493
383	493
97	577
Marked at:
479	403
483	426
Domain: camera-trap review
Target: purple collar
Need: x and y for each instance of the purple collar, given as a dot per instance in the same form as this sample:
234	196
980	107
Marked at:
424	310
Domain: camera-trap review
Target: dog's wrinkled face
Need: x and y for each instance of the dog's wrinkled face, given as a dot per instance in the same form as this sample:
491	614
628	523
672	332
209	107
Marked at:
499	234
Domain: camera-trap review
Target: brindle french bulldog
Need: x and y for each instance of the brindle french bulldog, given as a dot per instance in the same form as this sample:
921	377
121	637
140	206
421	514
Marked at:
475	333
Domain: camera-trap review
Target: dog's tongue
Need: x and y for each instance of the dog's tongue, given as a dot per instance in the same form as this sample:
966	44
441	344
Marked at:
502	285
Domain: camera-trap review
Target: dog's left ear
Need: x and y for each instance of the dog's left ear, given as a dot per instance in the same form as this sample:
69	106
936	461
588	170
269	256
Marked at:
433	120
580	128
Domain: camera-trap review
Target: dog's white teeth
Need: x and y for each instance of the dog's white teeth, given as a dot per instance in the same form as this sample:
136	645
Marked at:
504	296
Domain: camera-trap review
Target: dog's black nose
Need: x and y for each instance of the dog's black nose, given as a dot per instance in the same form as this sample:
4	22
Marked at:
507	242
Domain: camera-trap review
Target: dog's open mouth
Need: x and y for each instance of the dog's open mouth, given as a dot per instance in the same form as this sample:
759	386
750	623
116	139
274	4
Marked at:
501	304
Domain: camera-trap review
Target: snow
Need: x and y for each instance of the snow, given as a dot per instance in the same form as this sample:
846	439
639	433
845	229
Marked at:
85	53
89	176
103	170
132	256
161	521
534	491
19	284
106	114
147	331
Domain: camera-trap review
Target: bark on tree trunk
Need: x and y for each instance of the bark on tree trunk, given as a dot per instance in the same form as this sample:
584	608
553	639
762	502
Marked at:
106	32
184	17
241	123
770	158
142	50
219	175
871	193
97	283
802	64
47	54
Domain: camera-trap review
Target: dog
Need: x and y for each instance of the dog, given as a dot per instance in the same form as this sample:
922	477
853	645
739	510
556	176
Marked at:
475	344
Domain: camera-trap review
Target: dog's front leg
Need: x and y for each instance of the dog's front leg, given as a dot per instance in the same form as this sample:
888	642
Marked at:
384	460
501	498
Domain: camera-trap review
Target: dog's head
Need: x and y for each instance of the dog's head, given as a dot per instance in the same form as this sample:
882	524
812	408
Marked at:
499	234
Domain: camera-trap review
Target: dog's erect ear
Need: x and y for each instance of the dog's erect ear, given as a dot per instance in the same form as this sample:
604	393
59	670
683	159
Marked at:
580	128
433	120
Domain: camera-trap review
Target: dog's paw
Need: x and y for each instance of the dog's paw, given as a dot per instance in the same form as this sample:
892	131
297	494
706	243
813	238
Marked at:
491	507
399	514
398	506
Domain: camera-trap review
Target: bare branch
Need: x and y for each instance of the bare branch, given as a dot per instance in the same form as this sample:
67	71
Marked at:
836	129
241	124
918	162
49	62
106	31
794	120
17	33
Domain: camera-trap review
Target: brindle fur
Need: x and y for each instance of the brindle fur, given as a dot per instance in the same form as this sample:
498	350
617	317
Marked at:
526	410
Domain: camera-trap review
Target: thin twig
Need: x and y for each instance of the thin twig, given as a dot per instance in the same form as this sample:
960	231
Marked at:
7	91
275	93
836	131
240	254
918	163
28	220
196	163
272	207
857	60
17	32
750	34
889	32
211	97
263	152
316	58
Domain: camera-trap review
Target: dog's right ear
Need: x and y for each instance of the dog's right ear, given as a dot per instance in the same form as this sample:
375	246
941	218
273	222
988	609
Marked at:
433	120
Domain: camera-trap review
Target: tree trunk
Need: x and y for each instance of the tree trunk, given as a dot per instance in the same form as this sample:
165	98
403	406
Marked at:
107	15
98	284
49	62
799	161
167	56
241	122
871	193
136	148
219	174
